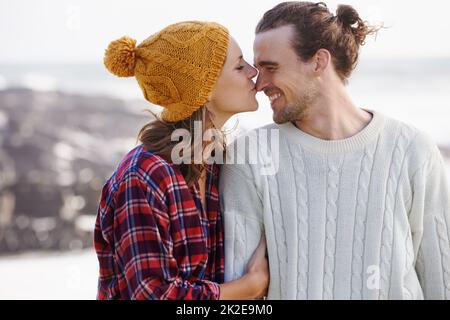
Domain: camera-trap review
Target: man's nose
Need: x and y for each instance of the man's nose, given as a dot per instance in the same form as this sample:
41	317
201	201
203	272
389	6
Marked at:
260	83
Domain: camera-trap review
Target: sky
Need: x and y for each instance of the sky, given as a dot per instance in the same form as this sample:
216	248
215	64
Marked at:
78	31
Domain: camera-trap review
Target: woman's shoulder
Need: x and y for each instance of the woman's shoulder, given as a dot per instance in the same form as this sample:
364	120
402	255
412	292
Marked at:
147	166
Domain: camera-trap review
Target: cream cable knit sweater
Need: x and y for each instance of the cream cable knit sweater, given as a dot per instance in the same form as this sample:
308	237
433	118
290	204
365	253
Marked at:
366	217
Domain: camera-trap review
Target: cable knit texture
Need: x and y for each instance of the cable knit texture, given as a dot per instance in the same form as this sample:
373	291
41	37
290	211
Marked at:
331	214
359	225
365	217
302	220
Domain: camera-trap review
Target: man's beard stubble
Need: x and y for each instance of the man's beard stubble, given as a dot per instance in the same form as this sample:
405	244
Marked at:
295	111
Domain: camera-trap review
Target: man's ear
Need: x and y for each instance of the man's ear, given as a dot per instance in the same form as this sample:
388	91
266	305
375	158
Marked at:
322	59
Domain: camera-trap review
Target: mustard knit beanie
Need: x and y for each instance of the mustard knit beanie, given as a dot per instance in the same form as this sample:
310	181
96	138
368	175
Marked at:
176	68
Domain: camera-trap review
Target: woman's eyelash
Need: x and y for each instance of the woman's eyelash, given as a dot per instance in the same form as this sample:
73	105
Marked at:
240	68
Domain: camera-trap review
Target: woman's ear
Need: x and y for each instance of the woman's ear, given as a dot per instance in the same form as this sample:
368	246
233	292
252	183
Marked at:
208	108
322	59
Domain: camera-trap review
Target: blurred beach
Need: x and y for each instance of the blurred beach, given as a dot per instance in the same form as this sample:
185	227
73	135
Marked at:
68	275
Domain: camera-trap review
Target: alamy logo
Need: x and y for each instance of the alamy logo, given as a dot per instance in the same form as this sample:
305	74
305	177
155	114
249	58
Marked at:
373	280
258	147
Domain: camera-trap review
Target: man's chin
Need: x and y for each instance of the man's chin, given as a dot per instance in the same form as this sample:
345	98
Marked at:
278	119
288	114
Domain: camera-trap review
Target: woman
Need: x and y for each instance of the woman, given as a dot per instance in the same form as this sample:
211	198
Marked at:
159	231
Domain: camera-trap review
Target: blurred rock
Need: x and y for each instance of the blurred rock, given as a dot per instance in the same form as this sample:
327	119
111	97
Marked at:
56	150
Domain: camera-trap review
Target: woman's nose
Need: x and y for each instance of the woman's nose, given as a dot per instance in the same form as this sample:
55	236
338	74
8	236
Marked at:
253	72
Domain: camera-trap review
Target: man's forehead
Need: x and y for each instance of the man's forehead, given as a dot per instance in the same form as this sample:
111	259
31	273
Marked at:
277	35
272	42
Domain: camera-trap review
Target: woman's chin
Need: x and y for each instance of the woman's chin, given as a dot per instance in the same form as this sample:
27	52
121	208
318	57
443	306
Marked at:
249	107
253	106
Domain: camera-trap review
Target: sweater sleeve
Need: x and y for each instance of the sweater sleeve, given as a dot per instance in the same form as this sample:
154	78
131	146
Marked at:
144	247
430	221
242	211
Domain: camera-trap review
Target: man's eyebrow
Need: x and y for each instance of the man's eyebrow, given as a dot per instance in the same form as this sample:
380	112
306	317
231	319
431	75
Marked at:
266	63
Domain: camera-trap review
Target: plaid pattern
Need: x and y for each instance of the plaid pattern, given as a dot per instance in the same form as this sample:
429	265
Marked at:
152	237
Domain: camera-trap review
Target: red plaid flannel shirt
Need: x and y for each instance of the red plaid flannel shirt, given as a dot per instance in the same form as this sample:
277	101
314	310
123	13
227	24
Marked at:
153	238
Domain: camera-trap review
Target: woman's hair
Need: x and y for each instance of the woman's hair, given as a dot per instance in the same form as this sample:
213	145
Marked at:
316	27
156	136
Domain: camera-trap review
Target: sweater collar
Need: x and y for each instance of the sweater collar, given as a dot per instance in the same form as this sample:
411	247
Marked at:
355	142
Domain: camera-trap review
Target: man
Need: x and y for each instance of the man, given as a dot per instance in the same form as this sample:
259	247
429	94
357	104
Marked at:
359	207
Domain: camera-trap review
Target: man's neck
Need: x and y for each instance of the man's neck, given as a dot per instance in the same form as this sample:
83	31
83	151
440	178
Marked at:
334	117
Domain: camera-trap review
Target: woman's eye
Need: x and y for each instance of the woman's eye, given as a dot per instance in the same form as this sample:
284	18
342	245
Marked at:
240	68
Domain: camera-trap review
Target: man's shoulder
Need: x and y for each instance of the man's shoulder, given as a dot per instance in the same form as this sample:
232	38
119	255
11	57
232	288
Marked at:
259	135
254	152
417	140
420	147
269	126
